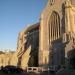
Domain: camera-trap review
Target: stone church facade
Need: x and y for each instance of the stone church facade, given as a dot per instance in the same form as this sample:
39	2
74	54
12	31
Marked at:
48	42
51	39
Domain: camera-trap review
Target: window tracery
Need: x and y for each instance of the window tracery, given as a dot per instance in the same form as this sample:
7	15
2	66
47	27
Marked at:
54	26
52	2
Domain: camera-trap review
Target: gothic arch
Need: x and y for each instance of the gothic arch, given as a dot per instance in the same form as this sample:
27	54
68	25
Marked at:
54	26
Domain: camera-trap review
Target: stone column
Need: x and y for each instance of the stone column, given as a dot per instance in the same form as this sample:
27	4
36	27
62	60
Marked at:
67	16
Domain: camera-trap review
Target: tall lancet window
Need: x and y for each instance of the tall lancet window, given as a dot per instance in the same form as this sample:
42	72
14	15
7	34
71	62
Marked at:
52	2
54	26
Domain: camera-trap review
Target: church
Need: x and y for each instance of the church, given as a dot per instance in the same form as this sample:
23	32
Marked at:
49	42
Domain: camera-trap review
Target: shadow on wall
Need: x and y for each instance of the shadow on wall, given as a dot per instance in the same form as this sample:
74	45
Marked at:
33	61
56	55
71	58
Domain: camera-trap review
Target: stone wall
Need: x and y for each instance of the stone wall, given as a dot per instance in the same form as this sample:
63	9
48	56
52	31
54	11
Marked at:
5	58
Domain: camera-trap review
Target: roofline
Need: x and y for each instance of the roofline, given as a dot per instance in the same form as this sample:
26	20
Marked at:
30	27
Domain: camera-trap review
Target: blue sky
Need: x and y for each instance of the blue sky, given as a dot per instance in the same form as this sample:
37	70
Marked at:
15	15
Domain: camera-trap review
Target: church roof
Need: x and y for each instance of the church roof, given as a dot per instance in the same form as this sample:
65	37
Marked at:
29	28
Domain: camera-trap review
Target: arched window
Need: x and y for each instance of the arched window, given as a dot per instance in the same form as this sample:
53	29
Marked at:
52	2
54	26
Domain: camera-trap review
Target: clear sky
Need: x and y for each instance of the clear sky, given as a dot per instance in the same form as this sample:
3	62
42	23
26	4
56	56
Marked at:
15	15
